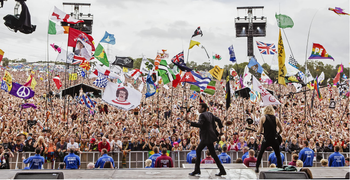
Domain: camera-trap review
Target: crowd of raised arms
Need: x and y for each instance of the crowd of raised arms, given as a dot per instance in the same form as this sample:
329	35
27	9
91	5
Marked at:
159	121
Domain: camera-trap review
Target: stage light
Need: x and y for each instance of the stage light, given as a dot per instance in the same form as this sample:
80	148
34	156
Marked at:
262	17
71	14
254	17
238	18
89	15
245	17
81	14
243	28
258	28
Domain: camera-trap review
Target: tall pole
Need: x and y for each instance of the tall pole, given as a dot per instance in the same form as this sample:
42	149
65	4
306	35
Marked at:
188	51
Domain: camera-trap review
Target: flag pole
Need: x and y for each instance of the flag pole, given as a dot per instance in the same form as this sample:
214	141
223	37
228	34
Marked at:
65	83
188	51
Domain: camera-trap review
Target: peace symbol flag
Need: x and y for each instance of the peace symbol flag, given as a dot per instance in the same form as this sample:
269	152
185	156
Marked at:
21	91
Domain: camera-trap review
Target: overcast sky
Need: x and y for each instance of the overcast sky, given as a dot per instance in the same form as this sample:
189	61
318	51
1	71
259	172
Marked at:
145	27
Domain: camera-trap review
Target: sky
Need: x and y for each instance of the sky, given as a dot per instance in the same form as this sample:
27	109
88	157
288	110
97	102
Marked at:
145	27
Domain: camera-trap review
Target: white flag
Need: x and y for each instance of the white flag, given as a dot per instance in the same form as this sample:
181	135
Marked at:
247	78
141	86
321	78
146	66
297	86
121	97
166	87
266	97
308	77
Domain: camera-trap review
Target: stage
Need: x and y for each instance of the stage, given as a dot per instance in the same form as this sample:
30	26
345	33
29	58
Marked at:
234	171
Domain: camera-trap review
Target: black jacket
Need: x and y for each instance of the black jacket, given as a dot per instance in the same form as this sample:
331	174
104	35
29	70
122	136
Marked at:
206	123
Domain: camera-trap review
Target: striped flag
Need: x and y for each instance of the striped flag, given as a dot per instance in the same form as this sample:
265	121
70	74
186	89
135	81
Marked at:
165	72
210	88
101	82
87	101
195	79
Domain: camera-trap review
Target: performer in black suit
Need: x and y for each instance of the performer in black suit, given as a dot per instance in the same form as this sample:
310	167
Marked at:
208	135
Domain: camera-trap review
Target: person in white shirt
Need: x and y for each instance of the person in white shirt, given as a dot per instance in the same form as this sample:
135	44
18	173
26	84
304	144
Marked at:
72	144
111	141
117	143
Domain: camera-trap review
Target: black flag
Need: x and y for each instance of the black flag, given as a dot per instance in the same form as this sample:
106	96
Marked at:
228	92
197	32
124	62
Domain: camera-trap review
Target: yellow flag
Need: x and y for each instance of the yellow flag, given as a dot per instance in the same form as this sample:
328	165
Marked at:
310	86
33	82
8	79
217	72
73	76
282	71
125	69
293	79
193	43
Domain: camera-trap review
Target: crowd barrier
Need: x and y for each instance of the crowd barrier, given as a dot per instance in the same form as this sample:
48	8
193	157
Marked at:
136	159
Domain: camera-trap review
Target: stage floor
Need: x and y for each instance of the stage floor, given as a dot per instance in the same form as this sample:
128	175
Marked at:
233	172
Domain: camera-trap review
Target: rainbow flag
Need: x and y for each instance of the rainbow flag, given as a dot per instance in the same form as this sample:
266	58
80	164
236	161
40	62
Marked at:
319	52
317	88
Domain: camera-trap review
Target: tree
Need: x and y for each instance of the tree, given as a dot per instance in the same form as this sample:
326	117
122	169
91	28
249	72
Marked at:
5	61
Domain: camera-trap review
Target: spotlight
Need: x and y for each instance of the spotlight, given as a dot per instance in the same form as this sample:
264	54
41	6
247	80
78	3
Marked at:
243	28
81	14
238	18
254	17
71	14
262	17
245	17
258	28
89	15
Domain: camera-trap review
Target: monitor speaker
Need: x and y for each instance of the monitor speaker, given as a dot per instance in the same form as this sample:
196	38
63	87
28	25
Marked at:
39	175
282	175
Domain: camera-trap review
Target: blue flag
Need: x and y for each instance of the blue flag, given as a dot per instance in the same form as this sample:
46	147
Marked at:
232	54
108	38
87	101
253	64
194	95
151	88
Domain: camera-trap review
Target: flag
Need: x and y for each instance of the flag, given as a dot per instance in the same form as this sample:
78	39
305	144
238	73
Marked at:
197	32
254	96
321	78
28	105
216	56
150	87
217	72
233	72
193	43
232	54
103	70
308	76
266	49
73	76
282	71
8	80
228	92
338	11
30	82
1	54
195	88
74	35
57	81
85	65
124	62
247	78
195	79
340	69
163	54
336	79
57	29
177	79
4	86
253	64
284	21
179	58
60	16
319	52
292	62
265	78
317	89
266	97
183	67
121	97
293	79
210	88
78	59
135	73
108	38
84	99
194	95
141	87
101	55
81	73
21	91
157	62
101	82
146	65
297	86
63	56
165	72
344	76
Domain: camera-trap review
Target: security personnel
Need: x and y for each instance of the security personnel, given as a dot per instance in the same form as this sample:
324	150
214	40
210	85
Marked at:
103	159
35	161
224	157
191	154
273	159
307	155
154	156
336	159
72	161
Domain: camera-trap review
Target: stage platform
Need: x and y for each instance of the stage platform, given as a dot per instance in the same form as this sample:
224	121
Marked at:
233	172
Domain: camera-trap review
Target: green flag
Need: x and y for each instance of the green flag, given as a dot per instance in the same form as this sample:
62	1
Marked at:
195	88
284	21
100	54
210	88
165	72
55	28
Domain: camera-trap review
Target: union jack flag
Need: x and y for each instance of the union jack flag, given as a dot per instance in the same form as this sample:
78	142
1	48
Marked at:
179	58
267	49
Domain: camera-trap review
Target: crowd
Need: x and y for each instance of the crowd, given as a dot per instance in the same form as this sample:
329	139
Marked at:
159	121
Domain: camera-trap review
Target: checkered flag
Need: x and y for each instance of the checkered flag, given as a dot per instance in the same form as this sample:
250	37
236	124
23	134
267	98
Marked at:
101	82
293	62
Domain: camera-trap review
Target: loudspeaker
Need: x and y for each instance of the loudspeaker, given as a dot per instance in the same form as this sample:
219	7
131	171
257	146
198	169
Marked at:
39	175
347	175
282	175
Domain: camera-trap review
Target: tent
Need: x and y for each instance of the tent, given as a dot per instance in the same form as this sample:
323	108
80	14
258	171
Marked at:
74	90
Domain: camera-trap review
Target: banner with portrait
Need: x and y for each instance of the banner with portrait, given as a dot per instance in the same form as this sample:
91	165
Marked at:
121	97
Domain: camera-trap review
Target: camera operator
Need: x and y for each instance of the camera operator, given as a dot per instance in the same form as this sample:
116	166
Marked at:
5	154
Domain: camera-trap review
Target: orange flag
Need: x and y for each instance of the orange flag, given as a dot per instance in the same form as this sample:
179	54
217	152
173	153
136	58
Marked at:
157	62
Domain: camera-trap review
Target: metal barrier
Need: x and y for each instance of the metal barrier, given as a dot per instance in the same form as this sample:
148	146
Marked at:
136	159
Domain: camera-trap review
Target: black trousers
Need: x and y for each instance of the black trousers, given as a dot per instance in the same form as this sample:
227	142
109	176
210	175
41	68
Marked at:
276	148
211	149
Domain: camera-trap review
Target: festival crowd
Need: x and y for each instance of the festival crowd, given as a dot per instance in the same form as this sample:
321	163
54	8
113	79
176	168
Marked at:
159	121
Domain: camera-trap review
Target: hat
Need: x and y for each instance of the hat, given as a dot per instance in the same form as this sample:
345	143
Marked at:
29	138
175	143
252	137
92	140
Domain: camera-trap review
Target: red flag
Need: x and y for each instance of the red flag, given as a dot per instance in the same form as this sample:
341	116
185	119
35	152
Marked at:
177	80
75	34
85	65
336	79
57	81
